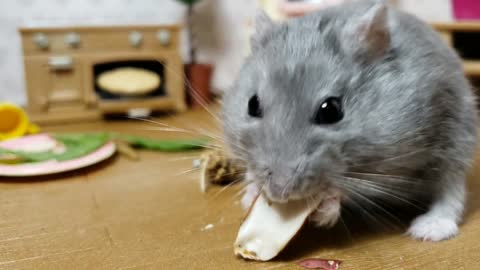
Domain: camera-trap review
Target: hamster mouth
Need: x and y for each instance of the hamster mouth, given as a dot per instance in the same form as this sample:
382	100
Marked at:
276	199
327	194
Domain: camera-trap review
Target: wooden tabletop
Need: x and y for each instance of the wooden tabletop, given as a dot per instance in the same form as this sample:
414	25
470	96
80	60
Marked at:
472	25
151	214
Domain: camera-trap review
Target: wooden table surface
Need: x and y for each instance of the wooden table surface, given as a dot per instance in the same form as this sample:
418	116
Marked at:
151	215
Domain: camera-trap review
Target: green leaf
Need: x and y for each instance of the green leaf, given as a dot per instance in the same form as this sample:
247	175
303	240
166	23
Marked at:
76	145
162	145
189	2
81	144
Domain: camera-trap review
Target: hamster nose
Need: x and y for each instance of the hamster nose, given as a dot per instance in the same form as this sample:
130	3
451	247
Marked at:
268	173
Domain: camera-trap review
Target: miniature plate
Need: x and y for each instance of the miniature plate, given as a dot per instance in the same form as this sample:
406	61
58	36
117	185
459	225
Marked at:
44	142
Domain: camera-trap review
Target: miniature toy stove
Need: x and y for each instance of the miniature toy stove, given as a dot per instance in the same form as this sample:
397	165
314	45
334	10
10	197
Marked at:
62	66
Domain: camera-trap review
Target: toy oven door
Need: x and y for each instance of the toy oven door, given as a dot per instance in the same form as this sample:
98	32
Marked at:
56	83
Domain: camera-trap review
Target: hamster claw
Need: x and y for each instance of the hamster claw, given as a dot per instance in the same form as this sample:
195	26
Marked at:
327	213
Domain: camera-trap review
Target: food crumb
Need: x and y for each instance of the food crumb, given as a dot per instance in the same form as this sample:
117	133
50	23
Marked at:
320	264
196	163
208	227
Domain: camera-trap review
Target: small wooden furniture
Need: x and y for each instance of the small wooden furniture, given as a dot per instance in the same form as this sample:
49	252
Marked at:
62	64
464	37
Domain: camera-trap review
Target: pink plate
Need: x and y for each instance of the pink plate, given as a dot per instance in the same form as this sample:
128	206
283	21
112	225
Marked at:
43	142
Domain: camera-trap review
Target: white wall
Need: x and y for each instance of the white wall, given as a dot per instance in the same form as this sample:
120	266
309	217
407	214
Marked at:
219	27
429	10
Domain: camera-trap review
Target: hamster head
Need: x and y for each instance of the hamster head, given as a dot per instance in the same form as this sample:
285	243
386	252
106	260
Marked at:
316	95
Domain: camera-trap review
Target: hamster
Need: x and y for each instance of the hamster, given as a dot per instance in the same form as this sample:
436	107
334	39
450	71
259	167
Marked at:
356	102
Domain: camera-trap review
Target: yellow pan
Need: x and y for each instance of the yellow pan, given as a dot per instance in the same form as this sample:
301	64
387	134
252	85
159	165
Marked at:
14	122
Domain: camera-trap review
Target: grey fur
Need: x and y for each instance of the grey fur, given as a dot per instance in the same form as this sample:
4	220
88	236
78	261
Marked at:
409	110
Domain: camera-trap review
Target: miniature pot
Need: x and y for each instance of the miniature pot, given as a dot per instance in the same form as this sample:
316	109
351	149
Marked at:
198	84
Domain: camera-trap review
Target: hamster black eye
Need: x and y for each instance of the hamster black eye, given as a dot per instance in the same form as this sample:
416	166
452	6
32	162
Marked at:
330	112
254	108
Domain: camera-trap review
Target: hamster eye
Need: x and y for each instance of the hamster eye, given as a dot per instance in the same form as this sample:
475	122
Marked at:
254	108
330	112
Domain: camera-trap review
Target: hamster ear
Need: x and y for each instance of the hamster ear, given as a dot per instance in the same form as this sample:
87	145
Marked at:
368	35
263	25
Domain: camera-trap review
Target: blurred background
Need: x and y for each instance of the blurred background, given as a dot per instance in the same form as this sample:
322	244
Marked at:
220	27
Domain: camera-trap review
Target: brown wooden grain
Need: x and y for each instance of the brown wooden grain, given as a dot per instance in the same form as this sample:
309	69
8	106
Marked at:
144	215
472	68
457	26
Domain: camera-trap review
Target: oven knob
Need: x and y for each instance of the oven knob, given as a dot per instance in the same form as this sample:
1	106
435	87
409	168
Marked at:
136	39
73	39
164	37
41	40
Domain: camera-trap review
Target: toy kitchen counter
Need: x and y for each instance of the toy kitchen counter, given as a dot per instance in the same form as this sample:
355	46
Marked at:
139	68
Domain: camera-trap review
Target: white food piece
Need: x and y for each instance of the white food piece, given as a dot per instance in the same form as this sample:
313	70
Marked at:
40	144
204	181
129	81
196	163
269	227
208	227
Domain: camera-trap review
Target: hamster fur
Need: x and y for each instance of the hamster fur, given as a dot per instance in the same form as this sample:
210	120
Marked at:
361	101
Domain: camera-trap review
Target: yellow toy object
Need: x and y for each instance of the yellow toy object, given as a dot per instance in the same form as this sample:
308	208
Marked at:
14	122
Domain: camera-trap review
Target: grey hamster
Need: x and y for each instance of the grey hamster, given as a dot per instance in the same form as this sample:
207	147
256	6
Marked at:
361	101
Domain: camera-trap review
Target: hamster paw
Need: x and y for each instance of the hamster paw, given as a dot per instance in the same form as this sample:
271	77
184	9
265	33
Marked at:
433	228
327	213
251	192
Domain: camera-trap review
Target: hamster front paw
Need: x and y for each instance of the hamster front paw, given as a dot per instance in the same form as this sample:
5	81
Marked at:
251	192
433	228
327	213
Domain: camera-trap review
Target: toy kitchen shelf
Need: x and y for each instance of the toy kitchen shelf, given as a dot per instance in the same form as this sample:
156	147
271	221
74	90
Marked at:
464	37
62	66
